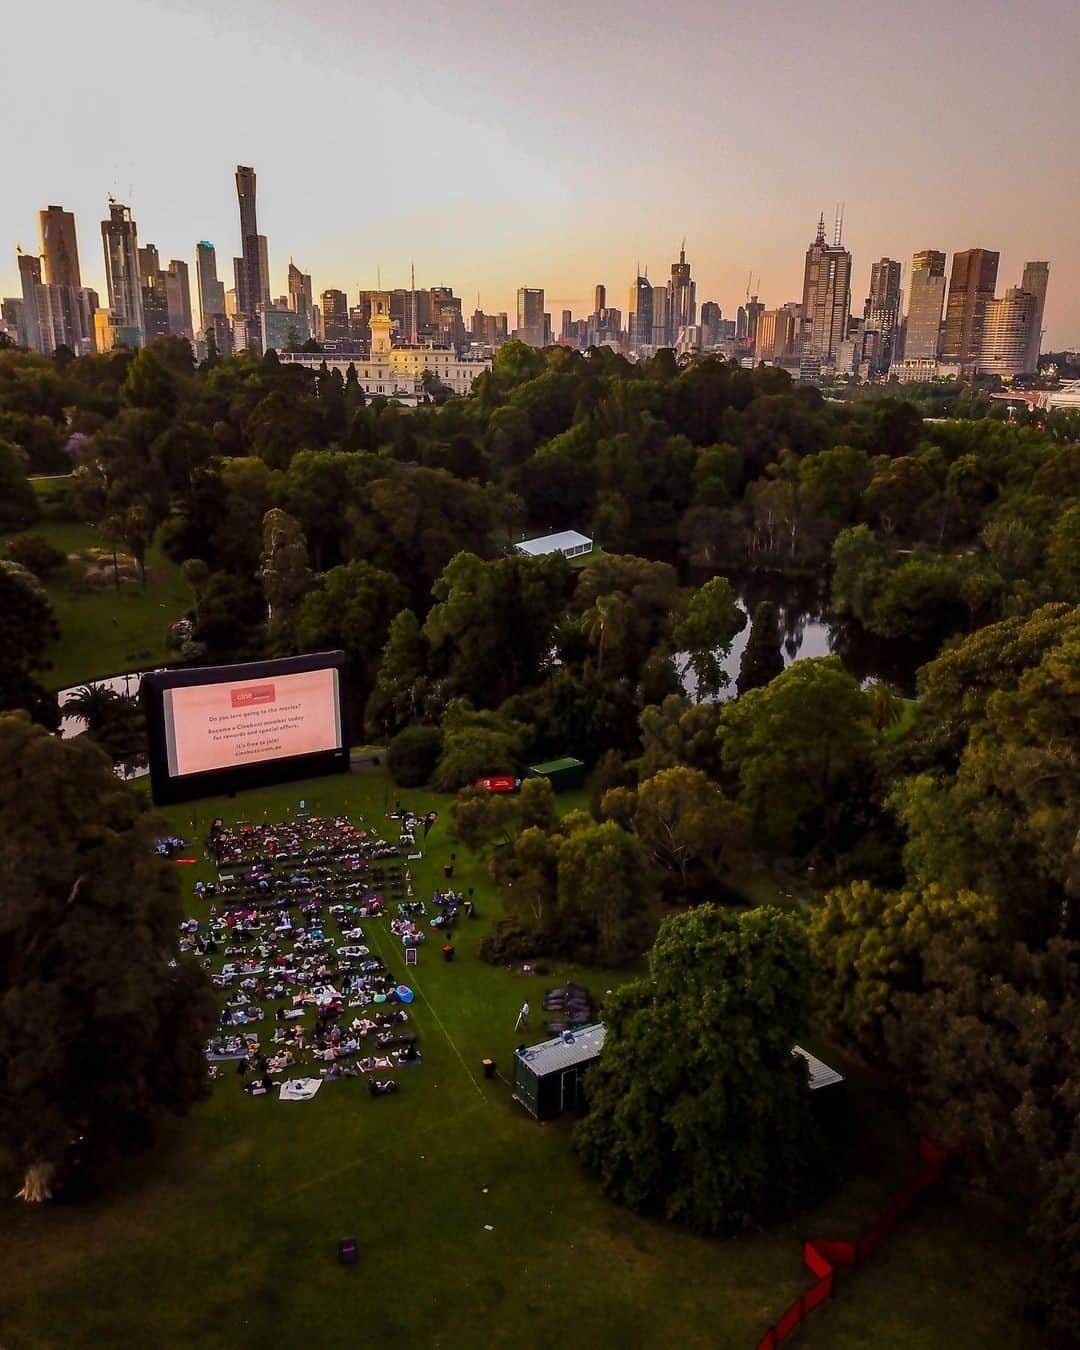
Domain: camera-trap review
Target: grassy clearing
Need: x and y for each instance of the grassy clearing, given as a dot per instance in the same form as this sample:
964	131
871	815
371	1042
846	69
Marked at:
226	1235
105	630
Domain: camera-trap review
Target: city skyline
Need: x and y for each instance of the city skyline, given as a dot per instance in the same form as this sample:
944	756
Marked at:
527	184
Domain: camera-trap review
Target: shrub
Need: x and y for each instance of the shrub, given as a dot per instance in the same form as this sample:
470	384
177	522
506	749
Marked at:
413	754
34	552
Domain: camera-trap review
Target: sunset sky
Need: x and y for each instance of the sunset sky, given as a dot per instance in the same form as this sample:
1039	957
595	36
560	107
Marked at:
553	143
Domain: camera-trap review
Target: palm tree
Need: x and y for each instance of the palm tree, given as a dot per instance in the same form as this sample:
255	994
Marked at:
91	704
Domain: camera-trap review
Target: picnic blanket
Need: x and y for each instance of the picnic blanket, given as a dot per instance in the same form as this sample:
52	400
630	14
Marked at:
299	1089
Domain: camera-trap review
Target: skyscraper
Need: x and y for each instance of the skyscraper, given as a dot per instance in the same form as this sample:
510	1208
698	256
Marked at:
754	311
682	291
178	298
881	313
155	301
531	328
971	288
926	299
640	315
826	302
599	298
1005	335
252	268
211	290
661	332
59	247
775	334
121	242
711	319
30	277
301	297
335	315
1035	280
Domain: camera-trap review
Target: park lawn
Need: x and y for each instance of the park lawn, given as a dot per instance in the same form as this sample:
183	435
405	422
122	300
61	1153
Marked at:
225	1235
105	631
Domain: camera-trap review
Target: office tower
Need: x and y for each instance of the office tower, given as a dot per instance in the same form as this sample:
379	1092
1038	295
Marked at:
754	310
1035	280
826	302
155	301
660	331
335	315
711	319
211	290
881	312
178	299
740	324
639	311
926	299
599	298
971	288
252	267
1005	338
530	315
774	335
502	327
58	318
121	243
566	326
59	248
446	318
682	303
283	329
301	296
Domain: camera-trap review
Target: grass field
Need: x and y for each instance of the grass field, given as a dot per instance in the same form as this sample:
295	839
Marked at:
225	1235
104	630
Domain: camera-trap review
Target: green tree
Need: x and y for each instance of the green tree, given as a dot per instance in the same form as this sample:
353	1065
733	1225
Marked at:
18	504
871	945
401	684
284	571
149	384
698	1110
762	658
603	895
87	934
477	745
706	631
688	825
413	754
196	574
352	609
793	748
91	704
27	627
1005	821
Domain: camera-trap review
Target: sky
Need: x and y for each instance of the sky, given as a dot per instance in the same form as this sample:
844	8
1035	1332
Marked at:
551	143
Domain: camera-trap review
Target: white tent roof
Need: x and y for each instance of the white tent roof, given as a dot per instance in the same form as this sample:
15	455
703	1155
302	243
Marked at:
554	543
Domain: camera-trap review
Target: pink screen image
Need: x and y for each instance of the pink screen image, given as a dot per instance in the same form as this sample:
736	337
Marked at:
237	722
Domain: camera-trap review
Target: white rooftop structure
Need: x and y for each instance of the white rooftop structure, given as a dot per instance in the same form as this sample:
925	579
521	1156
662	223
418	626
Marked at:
1067	397
821	1076
569	543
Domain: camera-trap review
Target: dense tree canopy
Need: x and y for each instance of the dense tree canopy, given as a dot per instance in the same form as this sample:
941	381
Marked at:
698	1109
99	1026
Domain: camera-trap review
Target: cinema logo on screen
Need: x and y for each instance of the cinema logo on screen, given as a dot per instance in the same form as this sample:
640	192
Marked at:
254	694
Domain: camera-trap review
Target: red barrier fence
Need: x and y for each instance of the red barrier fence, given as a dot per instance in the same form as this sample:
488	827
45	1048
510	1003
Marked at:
823	1255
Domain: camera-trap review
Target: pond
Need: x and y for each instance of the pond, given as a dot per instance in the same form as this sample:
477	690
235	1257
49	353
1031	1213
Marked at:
808	628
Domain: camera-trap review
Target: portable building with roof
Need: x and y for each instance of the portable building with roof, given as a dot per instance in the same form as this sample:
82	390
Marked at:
564	775
548	1077
569	543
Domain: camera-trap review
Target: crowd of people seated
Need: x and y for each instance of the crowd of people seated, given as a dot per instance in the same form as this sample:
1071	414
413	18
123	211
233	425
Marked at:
283	938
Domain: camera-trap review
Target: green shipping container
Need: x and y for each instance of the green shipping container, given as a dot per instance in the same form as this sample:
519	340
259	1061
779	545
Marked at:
564	775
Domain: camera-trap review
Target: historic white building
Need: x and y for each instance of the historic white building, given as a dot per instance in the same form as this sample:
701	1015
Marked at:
396	372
